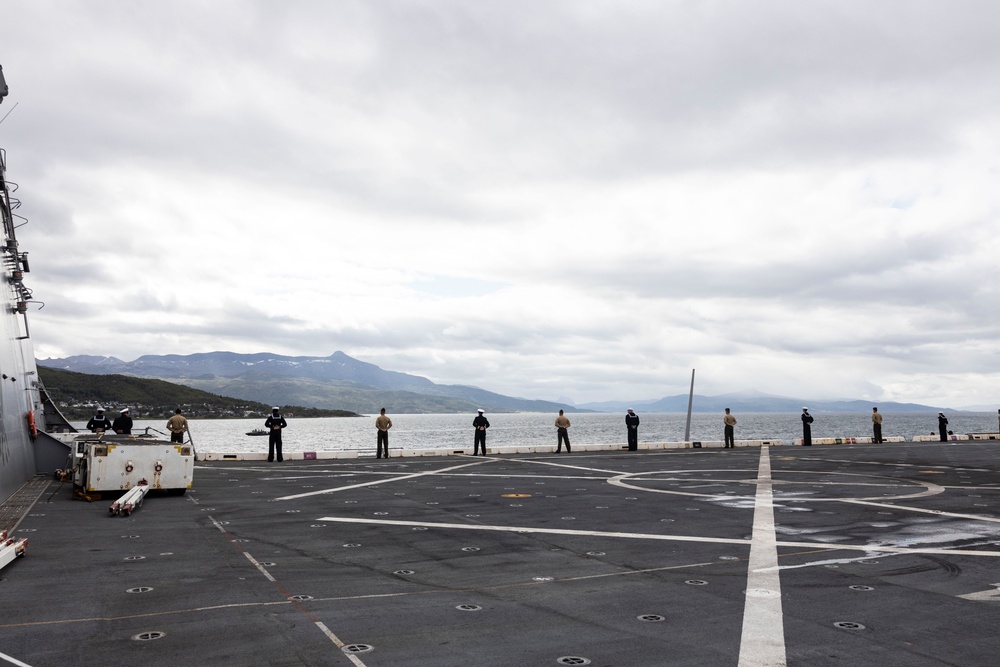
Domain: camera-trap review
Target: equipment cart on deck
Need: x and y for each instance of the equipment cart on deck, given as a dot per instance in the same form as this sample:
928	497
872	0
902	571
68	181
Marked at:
109	462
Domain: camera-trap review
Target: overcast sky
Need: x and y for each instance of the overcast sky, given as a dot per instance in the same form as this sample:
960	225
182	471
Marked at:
561	200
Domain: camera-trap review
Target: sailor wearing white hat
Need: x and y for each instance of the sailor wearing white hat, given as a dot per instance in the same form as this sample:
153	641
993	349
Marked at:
632	429
807	421
480	423
274	424
99	422
123	423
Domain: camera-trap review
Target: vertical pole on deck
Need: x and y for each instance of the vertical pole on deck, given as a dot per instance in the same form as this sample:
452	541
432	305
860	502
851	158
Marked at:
191	442
687	426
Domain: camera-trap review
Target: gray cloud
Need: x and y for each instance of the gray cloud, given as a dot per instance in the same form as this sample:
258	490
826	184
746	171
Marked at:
579	199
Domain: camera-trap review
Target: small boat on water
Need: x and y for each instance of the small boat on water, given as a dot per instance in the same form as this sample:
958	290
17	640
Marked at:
257	431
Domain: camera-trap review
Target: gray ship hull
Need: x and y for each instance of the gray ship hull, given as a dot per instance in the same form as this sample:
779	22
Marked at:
24	448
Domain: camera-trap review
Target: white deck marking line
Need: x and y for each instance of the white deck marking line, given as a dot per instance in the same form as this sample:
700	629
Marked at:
835	561
817	546
762	643
400	478
305	474
782	482
893	465
518	584
526	529
170	612
13	661
990	595
509	475
929	488
880	553
339	644
259	567
330	475
953	515
971	488
878	548
567	465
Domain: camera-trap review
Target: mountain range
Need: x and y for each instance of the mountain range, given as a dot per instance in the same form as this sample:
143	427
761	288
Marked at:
76	395
340	382
754	402
337	382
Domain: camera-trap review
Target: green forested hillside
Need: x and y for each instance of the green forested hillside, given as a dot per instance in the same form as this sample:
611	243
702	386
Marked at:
78	394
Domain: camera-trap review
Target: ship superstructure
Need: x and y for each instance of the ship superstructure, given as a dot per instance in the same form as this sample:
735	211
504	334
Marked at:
21	416
24	446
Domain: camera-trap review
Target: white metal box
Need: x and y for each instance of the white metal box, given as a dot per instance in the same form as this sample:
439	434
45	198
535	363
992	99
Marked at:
118	463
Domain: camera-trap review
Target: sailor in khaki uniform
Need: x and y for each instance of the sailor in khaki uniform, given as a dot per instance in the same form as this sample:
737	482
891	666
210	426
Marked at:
562	424
730	421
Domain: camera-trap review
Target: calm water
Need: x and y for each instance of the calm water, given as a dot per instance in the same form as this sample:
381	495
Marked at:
453	431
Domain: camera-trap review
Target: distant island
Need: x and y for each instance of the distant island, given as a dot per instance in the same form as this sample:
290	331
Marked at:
77	395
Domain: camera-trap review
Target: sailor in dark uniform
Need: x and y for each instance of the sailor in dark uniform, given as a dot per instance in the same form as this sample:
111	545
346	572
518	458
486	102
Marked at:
274	424
632	428
943	427
807	433
123	423
480	423
99	422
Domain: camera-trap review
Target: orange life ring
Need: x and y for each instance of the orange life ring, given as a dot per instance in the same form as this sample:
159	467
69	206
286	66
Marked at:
32	426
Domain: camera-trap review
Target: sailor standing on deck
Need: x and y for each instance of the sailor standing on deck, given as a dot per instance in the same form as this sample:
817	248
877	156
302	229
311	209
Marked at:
807	432
99	422
632	429
480	423
177	425
382	425
274	424
943	427
123	423
876	425
562	432
728	433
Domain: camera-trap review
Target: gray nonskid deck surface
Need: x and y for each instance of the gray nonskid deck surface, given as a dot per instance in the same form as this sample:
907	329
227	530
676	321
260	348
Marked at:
13	509
886	555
